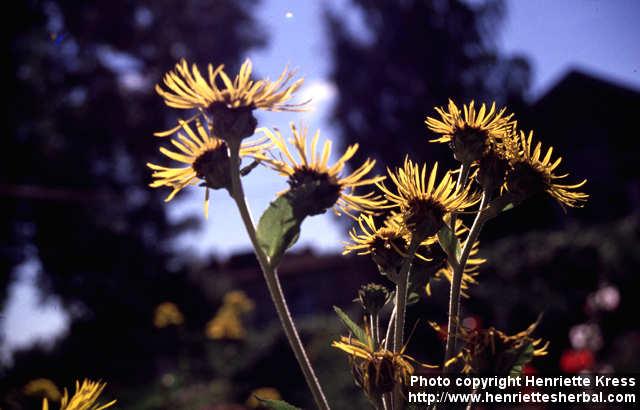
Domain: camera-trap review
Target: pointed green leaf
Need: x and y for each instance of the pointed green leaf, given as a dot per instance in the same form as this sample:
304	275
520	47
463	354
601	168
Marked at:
413	298
278	229
449	242
353	328
508	207
277	404
522	356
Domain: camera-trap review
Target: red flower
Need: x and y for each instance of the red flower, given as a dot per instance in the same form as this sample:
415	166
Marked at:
575	361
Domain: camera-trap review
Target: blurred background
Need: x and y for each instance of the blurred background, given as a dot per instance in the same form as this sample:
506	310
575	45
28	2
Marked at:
100	278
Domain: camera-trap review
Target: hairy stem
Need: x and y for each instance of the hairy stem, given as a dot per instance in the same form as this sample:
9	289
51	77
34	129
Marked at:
273	283
456	282
463	177
387	338
401	294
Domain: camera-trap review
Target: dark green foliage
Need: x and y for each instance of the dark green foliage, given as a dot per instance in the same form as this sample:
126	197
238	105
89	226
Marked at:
81	111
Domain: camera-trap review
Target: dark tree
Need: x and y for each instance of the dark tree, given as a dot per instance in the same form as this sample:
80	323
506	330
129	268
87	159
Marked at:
415	55
73	183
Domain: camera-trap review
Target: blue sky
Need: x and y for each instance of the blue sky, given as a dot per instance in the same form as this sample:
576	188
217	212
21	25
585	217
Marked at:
598	36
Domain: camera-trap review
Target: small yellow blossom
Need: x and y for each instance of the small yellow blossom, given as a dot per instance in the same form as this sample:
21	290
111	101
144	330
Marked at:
167	314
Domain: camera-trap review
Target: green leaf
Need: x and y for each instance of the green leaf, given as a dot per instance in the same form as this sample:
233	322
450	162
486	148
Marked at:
277	404
523	356
278	229
449	242
353	328
413	298
508	207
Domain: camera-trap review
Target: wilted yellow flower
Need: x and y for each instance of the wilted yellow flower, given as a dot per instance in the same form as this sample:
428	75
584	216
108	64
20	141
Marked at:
532	173
227	323
317	186
378	371
264	393
470	134
188	89
207	160
167	314
491	351
43	388
83	399
423	204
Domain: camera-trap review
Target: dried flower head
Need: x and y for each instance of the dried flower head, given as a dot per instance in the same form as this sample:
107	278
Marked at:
83	399
470	134
206	157
314	185
532	173
491	351
424	203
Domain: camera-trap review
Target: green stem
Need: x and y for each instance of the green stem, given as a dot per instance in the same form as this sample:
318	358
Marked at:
456	282
375	330
401	294
273	283
463	177
387	338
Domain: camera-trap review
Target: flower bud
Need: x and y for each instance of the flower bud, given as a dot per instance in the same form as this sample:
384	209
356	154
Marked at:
372	297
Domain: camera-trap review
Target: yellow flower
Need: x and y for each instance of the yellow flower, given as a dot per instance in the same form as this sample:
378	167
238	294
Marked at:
387	245
314	184
188	89
532	173
424	203
167	314
470	134
83	399
43	388
378	371
227	323
206	157
263	393
468	275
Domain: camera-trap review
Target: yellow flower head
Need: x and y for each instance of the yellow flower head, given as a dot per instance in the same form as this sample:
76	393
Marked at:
491	351
167	314
188	89
206	158
532	173
378	371
83	399
227	323
468	275
387	244
423	203
317	186
470	133
229	104
43	388
262	393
